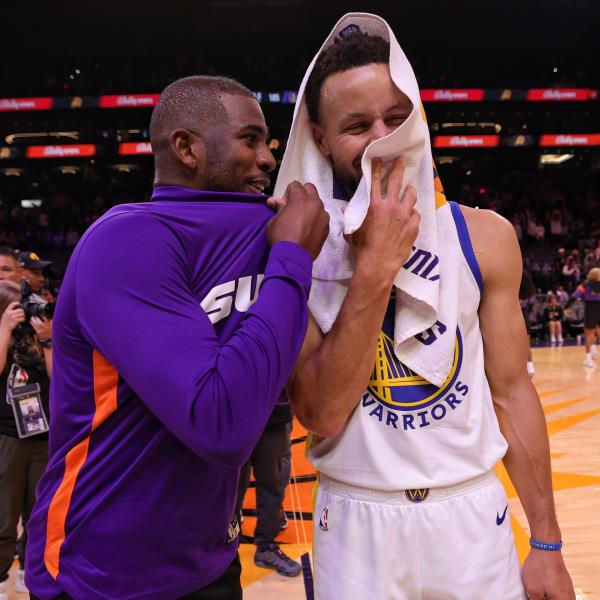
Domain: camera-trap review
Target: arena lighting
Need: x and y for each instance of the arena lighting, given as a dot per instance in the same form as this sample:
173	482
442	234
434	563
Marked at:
13	137
497	127
31	203
555	159
12	172
447	160
69	170
125	168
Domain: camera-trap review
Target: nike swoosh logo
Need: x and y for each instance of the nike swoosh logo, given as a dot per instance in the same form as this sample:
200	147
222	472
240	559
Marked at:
500	520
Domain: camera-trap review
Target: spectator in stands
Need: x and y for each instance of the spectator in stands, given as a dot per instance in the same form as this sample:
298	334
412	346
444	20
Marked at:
589	291
540	231
71	238
562	295
592	258
559	261
553	315
9	267
556	226
571	272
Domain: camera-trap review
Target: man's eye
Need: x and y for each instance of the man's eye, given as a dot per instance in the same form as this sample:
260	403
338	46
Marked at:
396	119
252	138
357	126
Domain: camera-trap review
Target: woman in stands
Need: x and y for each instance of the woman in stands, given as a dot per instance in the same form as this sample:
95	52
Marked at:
553	314
589	291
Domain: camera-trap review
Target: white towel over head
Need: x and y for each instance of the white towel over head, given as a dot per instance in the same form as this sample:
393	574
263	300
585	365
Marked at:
426	286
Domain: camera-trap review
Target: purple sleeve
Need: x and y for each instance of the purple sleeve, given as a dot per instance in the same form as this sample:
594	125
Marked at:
578	293
135	306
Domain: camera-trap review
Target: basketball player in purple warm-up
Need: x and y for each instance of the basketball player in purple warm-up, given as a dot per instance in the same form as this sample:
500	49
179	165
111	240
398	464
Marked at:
408	506
168	362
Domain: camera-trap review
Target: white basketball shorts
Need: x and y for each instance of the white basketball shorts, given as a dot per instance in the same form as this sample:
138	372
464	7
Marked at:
453	543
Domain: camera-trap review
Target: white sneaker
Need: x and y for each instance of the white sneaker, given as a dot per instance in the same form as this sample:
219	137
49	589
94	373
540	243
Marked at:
588	362
3	591
20	586
594	351
530	369
560	340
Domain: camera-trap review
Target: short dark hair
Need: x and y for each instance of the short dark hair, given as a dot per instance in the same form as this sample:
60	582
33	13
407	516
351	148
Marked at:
192	102
6	251
355	50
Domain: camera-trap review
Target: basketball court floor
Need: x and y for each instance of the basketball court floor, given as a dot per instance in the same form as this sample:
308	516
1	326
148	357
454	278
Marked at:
570	394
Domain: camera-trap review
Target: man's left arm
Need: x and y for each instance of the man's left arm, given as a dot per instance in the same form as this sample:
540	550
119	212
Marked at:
515	398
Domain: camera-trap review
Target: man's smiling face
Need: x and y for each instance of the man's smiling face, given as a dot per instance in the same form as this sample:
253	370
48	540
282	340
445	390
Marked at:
356	107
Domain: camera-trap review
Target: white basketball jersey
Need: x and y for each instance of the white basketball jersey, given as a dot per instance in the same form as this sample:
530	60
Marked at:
406	433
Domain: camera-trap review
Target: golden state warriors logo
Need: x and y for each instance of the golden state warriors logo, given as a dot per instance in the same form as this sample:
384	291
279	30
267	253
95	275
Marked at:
399	388
417	495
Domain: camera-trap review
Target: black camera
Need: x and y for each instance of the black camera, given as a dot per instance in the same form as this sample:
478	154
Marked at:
32	305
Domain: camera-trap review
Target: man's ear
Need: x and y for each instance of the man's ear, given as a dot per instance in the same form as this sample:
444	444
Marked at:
188	149
319	137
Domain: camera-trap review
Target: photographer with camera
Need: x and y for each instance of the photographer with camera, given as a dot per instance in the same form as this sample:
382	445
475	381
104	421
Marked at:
25	369
32	270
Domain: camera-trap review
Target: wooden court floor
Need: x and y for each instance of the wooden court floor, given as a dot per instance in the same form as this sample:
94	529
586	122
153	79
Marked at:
570	394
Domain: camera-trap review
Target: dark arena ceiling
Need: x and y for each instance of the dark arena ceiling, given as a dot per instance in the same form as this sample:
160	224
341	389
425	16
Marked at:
475	28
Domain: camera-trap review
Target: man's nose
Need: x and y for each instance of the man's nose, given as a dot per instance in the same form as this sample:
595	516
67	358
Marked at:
265	159
378	130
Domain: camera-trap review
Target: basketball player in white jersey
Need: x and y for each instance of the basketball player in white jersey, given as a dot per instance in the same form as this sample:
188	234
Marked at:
408	505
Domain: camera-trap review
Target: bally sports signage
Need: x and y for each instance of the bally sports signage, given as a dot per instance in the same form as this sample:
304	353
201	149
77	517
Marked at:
289	97
466	141
19	104
453	95
131	148
571	139
128	100
64	151
561	95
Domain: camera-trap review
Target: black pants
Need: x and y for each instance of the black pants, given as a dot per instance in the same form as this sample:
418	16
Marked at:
22	463
272	476
227	587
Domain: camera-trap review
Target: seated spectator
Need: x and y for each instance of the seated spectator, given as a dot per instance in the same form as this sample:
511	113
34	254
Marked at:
561	295
553	315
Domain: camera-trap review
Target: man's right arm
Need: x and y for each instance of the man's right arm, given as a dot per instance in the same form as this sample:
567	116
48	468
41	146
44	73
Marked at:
333	371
